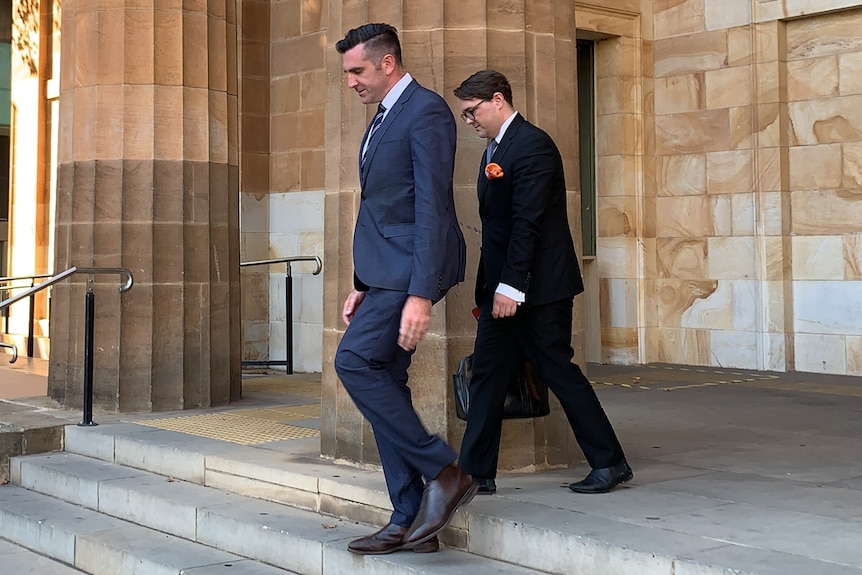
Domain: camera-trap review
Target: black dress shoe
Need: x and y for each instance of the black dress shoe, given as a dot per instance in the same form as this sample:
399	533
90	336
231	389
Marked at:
443	495
604	479
488	486
388	540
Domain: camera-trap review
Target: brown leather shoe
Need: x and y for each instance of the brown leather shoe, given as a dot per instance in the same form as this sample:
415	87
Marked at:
451	489
388	540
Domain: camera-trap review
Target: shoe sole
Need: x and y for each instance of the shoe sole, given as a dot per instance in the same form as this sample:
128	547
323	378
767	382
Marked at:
426	547
422	547
465	499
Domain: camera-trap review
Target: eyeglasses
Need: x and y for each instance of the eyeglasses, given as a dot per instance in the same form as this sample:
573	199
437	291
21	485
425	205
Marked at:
470	113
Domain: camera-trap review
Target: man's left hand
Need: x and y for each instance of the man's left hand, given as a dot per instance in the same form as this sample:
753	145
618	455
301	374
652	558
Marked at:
415	318
503	306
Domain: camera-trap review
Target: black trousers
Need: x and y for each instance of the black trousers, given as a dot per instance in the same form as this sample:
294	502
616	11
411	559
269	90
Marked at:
542	335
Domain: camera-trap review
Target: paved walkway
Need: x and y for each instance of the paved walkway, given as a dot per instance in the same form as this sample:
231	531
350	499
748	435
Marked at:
27	377
755	471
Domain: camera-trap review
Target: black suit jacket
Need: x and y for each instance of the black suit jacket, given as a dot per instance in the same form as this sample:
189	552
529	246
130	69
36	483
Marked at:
526	240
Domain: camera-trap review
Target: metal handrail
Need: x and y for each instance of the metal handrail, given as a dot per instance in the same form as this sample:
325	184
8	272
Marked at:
89	320
287	261
288	297
14	349
31	331
69	273
21	278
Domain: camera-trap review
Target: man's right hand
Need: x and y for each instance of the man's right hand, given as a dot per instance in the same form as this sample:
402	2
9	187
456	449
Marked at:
503	306
351	304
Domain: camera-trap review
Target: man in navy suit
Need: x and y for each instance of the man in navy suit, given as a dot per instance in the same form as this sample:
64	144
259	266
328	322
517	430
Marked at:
528	275
408	250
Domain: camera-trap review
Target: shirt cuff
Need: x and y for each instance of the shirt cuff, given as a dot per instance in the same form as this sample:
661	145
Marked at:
511	293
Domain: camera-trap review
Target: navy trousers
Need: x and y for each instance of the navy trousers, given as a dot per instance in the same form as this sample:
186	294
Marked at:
373	370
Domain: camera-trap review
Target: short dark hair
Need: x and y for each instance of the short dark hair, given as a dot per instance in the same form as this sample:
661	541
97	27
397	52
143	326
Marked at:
483	85
379	39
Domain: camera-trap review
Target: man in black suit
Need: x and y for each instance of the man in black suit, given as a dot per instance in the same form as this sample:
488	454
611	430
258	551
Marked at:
408	251
528	275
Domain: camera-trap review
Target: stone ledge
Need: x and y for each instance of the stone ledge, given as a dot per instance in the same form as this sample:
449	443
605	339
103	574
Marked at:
15	440
27	427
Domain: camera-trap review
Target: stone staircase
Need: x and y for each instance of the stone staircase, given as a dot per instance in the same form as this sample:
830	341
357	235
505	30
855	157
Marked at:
153	502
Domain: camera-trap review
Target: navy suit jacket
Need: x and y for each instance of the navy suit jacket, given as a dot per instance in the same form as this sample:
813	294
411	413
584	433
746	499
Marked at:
407	235
526	240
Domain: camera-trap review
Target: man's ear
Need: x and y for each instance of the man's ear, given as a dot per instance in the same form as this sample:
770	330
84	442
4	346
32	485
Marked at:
388	63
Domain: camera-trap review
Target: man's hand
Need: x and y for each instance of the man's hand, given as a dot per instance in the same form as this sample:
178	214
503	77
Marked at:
351	304
503	306
415	318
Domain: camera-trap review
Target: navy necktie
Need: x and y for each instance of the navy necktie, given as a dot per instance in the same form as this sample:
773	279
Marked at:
489	153
375	123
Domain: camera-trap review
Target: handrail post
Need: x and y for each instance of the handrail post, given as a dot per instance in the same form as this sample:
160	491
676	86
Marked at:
5	293
288	296
89	320
31	332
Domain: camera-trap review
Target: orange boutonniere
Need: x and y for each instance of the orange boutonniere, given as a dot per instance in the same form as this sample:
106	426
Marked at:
493	171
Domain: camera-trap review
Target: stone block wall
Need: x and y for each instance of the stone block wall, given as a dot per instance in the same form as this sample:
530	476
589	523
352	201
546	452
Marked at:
283	180
823	70
757	203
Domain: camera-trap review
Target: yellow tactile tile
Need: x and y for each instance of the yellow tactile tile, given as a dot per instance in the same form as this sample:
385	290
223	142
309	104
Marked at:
285	412
233	427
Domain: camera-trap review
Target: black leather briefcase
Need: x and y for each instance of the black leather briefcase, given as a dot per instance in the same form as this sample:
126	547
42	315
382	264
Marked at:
526	396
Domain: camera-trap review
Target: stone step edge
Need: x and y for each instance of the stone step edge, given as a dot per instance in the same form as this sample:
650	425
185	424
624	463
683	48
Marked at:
17	439
86	550
520	535
301	486
215	523
16	559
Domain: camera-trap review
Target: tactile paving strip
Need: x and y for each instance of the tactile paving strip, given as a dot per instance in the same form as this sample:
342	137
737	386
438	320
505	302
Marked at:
285	412
233	427
671	378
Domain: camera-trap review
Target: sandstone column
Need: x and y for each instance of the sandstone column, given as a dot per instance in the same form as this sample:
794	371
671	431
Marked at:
148	180
443	42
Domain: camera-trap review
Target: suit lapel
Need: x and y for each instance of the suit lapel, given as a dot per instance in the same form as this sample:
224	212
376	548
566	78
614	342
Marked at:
391	118
499	155
482	184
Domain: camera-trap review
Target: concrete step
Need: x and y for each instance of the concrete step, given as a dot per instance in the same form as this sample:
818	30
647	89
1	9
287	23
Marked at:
100	545
541	528
23	432
17	560
297	540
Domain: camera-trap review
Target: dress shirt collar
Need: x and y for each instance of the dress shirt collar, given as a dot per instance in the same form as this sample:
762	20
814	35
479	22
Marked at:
395	92
504	127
